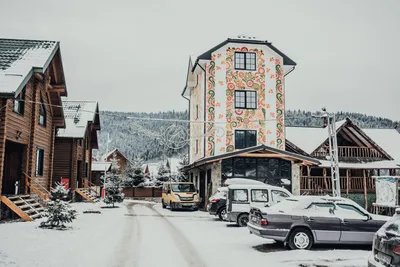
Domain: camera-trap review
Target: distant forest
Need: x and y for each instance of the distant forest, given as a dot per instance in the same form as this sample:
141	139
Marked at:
155	139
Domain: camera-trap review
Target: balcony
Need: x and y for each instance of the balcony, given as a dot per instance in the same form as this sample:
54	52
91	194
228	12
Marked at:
323	185
349	152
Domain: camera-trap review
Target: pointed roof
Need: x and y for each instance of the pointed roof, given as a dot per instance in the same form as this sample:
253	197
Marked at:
115	150
311	138
19	59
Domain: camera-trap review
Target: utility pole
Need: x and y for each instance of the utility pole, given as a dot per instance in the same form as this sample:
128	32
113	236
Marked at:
333	151
105	165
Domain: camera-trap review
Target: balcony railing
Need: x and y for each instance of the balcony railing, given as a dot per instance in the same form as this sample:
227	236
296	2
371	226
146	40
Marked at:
350	152
324	184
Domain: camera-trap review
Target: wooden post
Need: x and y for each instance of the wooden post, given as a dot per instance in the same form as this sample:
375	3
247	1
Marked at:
365	189
325	182
348	183
309	177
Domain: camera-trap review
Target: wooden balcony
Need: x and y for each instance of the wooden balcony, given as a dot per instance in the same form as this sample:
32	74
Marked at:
349	152
320	184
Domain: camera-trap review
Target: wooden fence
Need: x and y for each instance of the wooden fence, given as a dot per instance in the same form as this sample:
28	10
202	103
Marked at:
142	192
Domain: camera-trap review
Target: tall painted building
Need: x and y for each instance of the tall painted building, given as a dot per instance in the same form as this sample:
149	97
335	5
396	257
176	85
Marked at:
237	113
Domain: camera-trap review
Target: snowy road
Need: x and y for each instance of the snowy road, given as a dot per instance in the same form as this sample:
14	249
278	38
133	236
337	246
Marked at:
141	234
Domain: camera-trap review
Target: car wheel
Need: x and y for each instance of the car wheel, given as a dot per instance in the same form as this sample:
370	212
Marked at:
171	206
163	204
300	239
222	214
243	219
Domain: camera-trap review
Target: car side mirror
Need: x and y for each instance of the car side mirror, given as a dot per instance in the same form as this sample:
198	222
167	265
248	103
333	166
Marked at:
369	217
331	211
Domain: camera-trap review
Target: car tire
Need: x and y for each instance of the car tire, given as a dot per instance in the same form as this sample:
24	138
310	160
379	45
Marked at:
222	214
243	219
171	206
300	238
163	204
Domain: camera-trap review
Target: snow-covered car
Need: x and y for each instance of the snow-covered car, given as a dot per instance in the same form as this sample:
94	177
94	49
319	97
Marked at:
304	221
386	246
241	197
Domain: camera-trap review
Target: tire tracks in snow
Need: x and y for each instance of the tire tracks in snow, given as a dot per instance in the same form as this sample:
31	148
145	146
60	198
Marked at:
186	248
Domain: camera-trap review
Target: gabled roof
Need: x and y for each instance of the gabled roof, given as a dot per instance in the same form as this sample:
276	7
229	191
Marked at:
77	115
116	150
19	59
387	141
207	55
192	59
100	166
256	149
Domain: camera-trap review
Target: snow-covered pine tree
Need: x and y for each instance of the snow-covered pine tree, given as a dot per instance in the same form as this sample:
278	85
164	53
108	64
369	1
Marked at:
58	211
113	189
163	173
115	167
133	174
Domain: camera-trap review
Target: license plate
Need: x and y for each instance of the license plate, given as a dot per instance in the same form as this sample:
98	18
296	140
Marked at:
186	205
384	258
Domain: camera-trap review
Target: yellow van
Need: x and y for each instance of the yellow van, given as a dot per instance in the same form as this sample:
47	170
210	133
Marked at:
180	195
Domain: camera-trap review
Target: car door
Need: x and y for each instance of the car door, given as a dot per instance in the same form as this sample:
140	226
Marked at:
322	221
239	200
356	226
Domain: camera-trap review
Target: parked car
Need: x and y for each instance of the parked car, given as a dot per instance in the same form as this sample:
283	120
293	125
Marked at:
240	198
386	244
304	221
180	195
217	202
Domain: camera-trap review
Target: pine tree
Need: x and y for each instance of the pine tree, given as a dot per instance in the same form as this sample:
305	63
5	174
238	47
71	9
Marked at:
58	211
133	174
163	173
113	189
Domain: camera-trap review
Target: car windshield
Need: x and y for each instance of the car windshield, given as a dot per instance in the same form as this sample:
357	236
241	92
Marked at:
287	204
183	188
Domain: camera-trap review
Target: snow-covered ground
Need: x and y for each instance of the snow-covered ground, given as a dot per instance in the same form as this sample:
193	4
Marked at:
143	234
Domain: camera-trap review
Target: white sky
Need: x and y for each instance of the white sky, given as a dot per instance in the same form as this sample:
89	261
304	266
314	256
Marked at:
132	55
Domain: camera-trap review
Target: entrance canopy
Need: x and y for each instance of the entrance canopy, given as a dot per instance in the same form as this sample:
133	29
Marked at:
261	151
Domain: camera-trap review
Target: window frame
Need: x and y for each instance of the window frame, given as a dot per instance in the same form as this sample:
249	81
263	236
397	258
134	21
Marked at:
281	192
42	112
354	208
259	189
39	166
245	61
246	145
246	92
21	103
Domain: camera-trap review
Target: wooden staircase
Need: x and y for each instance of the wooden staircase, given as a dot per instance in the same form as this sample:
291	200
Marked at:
25	206
87	194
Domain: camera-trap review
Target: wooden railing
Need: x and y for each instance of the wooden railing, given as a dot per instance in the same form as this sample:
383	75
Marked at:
36	188
91	186
350	152
321	183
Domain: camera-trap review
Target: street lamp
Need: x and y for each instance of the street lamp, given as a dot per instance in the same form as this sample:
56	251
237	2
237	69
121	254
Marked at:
333	150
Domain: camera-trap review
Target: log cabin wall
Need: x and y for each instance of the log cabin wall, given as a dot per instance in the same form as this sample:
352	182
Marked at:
62	160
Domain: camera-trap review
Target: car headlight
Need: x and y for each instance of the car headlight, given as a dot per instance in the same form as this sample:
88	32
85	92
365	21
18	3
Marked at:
196	197
177	196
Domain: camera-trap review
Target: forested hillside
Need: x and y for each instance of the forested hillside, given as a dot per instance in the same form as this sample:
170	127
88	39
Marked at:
163	135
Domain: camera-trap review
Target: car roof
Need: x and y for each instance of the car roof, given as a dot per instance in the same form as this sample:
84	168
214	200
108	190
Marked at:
254	186
178	182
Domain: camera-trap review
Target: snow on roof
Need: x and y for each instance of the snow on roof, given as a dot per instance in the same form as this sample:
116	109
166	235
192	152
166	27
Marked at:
387	139
385	164
20	58
98	166
309	138
105	156
77	115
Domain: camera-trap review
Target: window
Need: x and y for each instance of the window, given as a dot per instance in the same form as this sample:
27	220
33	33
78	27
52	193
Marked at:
245	61
42	112
184	188
39	161
80	141
240	196
259	195
19	103
245	139
350	208
197	146
246	99
328	207
197	112
278	196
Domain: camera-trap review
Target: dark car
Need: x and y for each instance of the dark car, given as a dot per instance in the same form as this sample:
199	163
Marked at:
303	221
217	203
386	245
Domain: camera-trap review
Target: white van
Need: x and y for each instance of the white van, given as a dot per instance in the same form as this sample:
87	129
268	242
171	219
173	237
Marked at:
241	198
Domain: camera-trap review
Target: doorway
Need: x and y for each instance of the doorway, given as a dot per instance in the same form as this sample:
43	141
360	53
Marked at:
79	174
12	170
202	187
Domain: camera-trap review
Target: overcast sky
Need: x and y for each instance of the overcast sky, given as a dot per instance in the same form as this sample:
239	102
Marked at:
132	55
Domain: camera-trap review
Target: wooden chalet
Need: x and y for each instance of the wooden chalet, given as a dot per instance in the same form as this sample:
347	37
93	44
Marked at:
32	83
74	145
117	155
363	153
98	170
